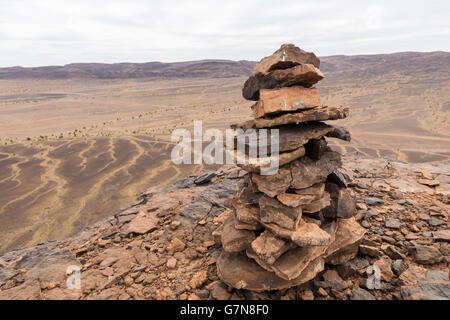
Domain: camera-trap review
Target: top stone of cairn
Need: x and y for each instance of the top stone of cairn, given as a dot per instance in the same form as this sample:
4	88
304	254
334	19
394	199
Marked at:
286	57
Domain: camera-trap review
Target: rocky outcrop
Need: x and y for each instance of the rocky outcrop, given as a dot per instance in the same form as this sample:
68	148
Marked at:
119	265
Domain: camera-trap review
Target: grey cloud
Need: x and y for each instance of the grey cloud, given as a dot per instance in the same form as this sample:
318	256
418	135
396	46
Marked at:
59	32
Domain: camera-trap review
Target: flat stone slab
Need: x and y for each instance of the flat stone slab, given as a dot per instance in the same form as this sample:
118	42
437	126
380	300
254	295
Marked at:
247	213
317	190
288	99
292	263
349	234
273	211
304	75
306	234
269	247
295	200
275	184
317	205
235	240
291	137
240	272
321	113
259	164
299	174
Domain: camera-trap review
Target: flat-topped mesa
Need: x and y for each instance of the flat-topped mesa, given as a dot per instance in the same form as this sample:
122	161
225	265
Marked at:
285	225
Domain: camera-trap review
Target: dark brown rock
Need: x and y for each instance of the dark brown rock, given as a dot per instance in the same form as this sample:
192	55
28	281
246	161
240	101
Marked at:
273	211
345	246
295	200
315	148
304	75
287	56
234	240
291	137
317	205
240	272
343	202
307	172
306	234
288	99
269	247
275	184
340	133
321	113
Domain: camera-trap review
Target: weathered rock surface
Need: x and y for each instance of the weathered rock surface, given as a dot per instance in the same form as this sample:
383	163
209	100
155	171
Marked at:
295	200
138	270
258	164
343	202
307	172
306	234
235	240
320	113
340	133
275	184
345	245
286	57
288	99
269	247
317	190
317	205
247	213
290	137
304	75
238	271
274	212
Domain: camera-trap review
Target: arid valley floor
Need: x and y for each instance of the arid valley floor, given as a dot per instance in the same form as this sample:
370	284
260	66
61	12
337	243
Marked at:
74	150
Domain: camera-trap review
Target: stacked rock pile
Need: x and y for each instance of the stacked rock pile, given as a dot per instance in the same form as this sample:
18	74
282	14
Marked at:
284	227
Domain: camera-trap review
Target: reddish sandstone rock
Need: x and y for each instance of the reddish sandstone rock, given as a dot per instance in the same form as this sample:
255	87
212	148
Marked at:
273	211
286	57
295	200
275	184
240	272
269	247
321	113
234	240
306	234
345	246
273	101
307	172
304	75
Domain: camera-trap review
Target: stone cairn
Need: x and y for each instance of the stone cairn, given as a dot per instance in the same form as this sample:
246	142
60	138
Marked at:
283	228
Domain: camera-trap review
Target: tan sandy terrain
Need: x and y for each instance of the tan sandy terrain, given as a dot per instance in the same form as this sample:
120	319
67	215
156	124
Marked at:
73	150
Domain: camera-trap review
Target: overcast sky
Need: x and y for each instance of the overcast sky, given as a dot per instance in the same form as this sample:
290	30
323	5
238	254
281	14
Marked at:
56	32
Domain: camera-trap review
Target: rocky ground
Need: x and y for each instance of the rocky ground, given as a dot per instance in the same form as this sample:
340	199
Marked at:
163	247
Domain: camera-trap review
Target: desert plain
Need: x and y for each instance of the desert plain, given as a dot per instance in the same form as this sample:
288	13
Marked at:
76	149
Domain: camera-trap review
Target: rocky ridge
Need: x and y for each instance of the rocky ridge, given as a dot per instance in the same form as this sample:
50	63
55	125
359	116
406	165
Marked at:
162	246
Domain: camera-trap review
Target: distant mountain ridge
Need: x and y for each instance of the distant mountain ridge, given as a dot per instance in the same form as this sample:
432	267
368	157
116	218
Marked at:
357	65
201	68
